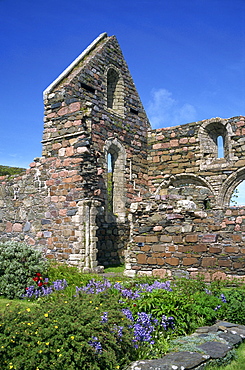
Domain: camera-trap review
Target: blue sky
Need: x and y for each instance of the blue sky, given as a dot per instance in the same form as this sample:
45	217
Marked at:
187	58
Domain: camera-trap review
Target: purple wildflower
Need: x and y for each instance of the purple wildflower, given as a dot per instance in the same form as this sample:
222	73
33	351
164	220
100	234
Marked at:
96	344
104	317
222	296
217	308
128	314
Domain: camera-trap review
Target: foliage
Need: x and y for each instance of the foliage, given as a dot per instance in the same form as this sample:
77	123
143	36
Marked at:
84	332
234	197
110	192
234	308
18	265
6	170
104	324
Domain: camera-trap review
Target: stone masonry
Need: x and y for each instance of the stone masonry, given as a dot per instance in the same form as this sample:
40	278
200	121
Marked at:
161	202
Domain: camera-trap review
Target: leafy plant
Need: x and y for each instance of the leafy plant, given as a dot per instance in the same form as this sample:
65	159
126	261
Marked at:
234	308
18	265
86	332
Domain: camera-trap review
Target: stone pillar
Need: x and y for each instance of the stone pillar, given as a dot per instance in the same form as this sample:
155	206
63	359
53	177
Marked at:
85	223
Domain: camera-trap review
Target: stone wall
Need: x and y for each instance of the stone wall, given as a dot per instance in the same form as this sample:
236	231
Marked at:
165	201
61	204
185	225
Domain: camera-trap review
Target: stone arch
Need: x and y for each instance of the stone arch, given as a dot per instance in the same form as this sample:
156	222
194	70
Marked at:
118	155
114	90
182	179
189	186
229	186
209	133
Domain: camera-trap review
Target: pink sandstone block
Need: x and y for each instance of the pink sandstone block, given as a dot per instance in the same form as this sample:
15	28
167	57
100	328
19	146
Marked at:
9	227
17	227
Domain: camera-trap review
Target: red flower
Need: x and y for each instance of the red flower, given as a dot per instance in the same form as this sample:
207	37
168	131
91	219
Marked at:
38	274
35	278
40	283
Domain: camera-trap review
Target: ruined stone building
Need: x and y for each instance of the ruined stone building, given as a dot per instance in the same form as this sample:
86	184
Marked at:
108	188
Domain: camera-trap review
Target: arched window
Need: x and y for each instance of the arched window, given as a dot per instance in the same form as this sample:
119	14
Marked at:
220	146
115	98
238	195
115	156
215	143
109	183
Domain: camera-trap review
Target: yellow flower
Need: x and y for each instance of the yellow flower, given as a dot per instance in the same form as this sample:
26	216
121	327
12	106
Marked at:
40	351
60	354
65	301
72	337
2	347
58	350
46	315
47	343
7	304
28	309
56	326
38	342
96	308
90	302
29	323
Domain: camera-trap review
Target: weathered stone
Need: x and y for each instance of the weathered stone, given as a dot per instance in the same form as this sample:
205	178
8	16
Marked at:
169	193
215	349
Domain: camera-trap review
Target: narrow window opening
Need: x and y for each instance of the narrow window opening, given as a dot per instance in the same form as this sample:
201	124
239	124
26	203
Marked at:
109	183
134	111
206	204
220	146
112	81
87	87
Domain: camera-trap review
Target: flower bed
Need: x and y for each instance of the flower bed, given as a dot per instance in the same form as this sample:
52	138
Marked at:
106	324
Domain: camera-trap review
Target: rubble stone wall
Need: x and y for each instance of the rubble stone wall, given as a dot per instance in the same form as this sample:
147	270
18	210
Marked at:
108	185
185	225
91	110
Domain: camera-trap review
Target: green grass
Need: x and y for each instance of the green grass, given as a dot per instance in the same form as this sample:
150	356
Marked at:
116	269
237	364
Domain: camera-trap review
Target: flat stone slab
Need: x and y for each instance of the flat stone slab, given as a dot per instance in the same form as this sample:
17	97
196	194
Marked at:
172	361
215	349
232	339
226	324
238	331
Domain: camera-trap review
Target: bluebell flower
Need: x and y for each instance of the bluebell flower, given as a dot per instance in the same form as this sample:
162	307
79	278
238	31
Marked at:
222	296
104	317
96	344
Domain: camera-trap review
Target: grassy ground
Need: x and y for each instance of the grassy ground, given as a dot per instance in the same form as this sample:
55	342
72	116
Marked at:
237	364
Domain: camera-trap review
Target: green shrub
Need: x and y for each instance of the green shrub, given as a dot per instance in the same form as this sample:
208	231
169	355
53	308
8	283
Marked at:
18	265
66	334
187	302
234	308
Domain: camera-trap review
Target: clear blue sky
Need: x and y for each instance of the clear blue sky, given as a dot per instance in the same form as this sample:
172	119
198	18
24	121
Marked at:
187	58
